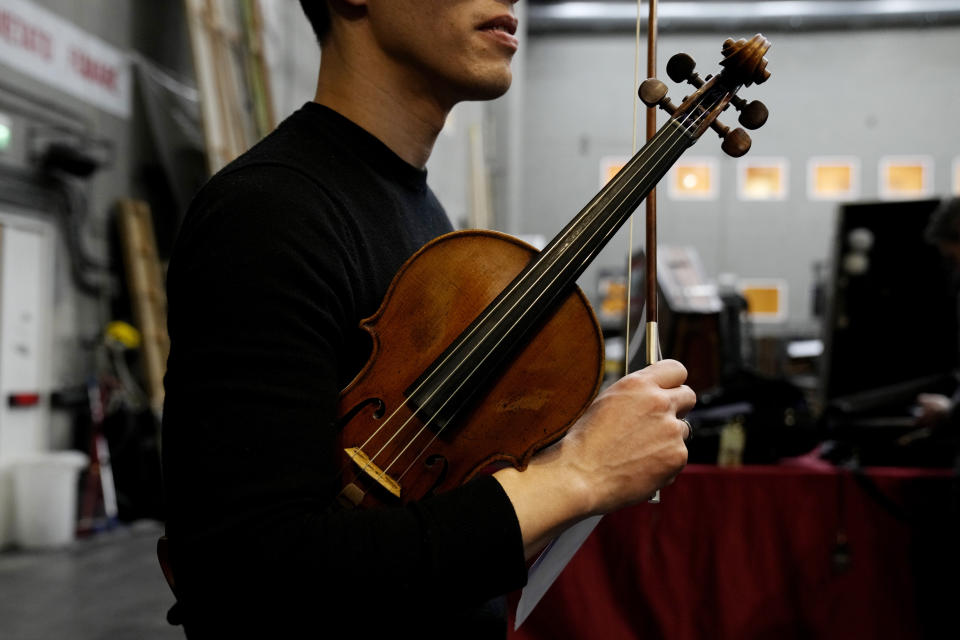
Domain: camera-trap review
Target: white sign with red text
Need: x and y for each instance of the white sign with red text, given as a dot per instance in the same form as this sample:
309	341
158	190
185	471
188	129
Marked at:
41	44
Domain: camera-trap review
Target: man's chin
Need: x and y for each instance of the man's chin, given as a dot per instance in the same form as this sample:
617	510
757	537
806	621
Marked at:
491	87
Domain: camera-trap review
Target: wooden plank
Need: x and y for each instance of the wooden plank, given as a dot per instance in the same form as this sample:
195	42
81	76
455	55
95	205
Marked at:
227	41
147	296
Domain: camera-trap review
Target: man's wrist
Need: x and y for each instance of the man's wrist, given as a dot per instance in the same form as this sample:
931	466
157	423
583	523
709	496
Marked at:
548	497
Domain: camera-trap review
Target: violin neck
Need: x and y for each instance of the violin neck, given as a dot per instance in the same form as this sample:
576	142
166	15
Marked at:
574	248
446	386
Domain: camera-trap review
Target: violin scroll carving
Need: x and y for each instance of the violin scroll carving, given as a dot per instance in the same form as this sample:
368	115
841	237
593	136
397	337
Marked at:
743	64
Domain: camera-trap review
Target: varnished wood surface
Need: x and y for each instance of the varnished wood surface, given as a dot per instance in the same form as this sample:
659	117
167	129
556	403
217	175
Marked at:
436	295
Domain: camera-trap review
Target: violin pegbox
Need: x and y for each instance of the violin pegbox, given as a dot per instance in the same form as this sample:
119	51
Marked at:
743	64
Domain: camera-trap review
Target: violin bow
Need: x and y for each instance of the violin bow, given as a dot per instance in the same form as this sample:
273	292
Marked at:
652	335
650	255
560	551
650	245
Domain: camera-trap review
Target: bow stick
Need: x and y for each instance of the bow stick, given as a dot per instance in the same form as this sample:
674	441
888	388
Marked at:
558	553
650	255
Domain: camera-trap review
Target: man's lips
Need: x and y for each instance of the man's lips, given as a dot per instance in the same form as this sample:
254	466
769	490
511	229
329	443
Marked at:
505	23
502	28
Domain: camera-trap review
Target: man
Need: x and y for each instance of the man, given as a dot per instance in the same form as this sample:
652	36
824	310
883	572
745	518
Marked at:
279	258
938	411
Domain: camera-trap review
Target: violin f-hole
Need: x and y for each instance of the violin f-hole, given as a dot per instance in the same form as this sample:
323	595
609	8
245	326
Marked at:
378	412
432	461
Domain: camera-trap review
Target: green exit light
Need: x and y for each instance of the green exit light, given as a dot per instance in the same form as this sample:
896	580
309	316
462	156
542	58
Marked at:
5	133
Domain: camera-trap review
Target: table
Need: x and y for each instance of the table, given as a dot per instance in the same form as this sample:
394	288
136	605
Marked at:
800	550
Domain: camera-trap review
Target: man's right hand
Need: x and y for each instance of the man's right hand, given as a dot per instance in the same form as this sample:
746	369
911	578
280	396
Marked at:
627	445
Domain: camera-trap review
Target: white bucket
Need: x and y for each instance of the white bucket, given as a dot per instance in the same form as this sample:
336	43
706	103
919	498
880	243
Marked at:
45	498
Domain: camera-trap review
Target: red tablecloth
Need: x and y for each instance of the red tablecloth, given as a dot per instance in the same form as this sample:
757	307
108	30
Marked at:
752	552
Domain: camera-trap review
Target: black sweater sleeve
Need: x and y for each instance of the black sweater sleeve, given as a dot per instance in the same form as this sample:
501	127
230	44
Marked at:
262	318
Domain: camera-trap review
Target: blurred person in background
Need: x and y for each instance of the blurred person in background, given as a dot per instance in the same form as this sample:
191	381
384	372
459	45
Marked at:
937	412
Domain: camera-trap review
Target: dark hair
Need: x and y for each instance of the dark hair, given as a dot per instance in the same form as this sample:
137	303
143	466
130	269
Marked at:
318	13
944	225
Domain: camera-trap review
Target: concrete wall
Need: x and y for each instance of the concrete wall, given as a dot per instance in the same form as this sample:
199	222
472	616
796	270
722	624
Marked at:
866	94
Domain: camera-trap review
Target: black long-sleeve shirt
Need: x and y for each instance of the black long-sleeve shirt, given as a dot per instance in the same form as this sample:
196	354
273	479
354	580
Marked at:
279	258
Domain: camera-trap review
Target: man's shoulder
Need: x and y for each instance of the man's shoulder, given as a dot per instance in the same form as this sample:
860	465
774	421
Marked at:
261	182
263	207
298	158
260	195
289	171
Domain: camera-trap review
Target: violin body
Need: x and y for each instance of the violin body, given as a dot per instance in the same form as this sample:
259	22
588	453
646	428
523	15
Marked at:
539	393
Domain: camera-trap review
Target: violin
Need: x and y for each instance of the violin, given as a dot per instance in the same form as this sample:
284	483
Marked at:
485	350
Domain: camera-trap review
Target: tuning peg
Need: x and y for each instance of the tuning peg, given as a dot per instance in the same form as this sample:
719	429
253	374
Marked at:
653	93
681	67
736	142
753	114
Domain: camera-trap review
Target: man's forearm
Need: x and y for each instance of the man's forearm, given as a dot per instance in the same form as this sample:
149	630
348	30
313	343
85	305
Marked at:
628	444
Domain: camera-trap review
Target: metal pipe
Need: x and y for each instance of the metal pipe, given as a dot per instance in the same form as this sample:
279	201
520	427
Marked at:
765	15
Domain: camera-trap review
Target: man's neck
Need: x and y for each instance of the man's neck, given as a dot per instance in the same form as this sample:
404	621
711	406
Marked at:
403	116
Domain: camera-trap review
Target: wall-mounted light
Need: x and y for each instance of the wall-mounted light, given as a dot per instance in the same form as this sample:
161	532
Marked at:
6	131
693	179
905	177
762	179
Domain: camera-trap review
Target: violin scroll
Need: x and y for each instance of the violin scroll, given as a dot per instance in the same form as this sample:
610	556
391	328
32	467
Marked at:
753	115
743	64
744	60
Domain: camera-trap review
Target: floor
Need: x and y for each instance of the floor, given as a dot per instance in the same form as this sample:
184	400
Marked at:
106	587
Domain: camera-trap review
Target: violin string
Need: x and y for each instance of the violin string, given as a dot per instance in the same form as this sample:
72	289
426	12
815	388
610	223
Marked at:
427	423
384	471
402	427
531	287
436	435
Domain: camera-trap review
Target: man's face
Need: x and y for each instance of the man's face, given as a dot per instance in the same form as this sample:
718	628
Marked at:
456	49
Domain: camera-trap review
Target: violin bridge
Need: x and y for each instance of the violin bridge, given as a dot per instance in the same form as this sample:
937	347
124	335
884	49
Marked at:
363	461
